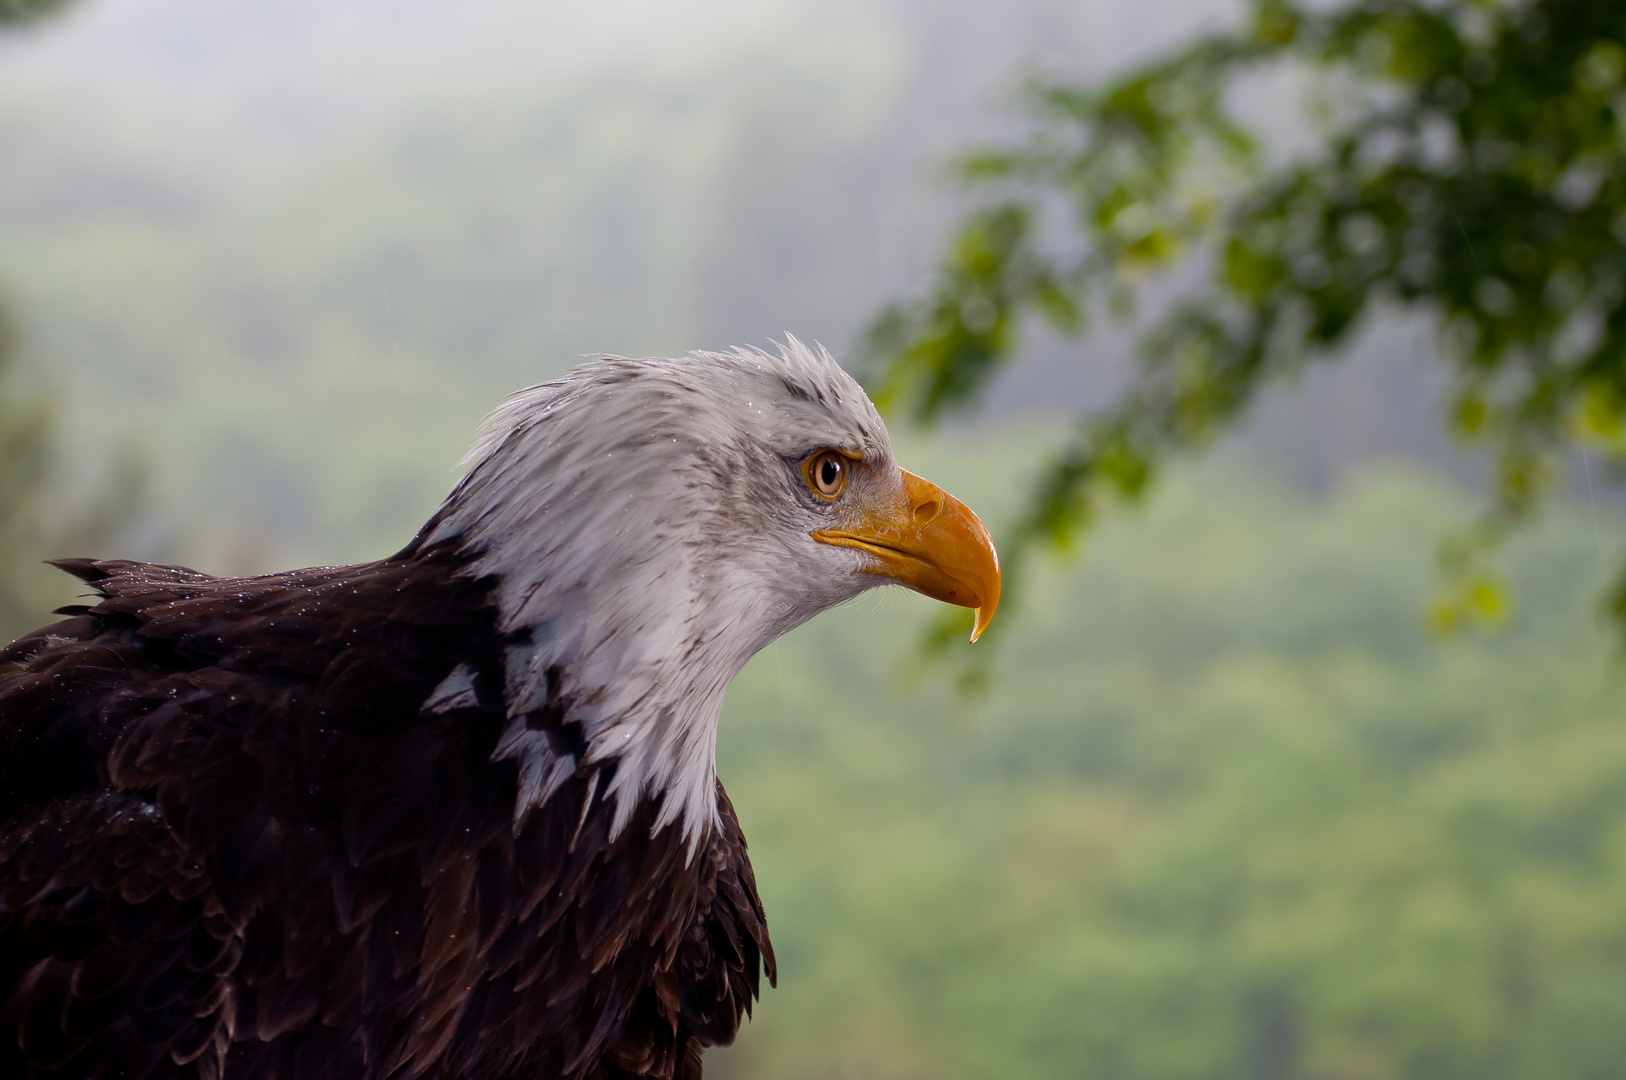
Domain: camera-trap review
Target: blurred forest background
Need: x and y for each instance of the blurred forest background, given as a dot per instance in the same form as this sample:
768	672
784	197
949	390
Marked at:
1228	810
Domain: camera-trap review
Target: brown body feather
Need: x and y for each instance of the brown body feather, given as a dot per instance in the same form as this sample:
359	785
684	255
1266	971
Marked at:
232	845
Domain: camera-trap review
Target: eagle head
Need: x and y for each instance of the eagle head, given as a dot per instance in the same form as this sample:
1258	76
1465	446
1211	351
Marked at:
652	523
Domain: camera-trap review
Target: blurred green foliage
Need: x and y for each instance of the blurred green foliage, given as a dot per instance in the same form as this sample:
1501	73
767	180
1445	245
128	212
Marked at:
23	447
36	518
24	466
1470	163
41	514
20	11
1244	819
304	352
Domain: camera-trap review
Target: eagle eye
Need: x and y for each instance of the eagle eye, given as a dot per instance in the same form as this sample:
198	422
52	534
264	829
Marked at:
826	473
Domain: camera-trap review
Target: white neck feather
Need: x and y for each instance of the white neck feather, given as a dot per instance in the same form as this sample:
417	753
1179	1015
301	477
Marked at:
617	514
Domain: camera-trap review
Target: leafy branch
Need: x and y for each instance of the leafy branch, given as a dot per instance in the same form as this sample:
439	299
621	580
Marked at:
1475	170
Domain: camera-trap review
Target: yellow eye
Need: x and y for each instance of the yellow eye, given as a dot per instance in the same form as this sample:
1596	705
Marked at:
826	473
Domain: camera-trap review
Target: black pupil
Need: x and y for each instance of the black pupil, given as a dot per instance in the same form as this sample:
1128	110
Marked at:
829	472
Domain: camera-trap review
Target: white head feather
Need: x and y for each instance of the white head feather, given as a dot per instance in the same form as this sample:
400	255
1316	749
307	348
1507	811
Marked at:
649	527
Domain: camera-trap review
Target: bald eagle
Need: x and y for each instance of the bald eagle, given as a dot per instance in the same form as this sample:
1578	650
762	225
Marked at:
453	813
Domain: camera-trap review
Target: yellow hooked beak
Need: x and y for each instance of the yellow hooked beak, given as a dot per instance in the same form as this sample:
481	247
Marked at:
931	542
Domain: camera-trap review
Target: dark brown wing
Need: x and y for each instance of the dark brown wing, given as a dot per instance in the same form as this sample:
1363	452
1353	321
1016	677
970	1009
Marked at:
382	915
364	640
113	946
227	721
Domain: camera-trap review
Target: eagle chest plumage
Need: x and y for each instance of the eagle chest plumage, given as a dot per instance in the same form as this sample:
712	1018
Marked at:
256	855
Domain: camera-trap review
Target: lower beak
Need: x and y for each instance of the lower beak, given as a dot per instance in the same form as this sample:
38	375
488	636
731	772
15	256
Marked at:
932	543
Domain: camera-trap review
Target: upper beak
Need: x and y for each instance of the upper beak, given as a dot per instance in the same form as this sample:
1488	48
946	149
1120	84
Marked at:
931	542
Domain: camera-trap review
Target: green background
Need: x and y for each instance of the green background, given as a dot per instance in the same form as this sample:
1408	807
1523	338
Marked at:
1226	808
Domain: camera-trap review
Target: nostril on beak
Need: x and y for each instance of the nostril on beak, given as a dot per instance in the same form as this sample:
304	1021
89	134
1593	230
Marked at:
925	512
